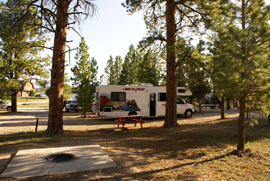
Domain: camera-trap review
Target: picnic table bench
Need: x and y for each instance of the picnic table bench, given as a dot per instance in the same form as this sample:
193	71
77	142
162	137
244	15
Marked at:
132	118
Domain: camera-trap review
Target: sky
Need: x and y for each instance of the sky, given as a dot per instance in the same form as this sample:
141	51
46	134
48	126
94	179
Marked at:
110	32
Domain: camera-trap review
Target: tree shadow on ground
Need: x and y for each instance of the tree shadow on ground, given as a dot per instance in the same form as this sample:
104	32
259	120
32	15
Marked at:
141	147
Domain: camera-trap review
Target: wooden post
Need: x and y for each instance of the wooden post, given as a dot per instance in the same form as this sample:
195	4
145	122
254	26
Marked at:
36	126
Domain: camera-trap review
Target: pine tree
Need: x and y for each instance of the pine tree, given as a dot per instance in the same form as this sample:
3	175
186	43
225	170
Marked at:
113	70
21	43
84	78
57	17
149	68
128	75
118	65
241	57
164	19
109	71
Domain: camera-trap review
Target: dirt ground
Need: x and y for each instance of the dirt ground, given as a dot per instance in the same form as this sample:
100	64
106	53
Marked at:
141	154
25	120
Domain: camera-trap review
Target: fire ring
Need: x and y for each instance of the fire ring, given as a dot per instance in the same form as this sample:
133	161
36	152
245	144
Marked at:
60	157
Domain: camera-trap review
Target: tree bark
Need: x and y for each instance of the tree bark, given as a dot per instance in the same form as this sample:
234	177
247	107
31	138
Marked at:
55	123
14	100
241	125
242	101
171	114
222	112
228	104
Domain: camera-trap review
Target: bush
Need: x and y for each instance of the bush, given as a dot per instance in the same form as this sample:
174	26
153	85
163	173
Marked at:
47	92
32	93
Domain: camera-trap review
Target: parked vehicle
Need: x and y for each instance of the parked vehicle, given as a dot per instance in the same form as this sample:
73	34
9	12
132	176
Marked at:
211	101
5	105
71	105
41	95
145	100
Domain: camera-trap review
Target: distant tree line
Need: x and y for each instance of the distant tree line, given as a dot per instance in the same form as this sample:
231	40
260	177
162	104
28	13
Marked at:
148	66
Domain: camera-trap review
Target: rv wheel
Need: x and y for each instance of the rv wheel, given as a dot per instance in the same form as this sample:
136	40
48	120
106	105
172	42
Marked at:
132	113
188	113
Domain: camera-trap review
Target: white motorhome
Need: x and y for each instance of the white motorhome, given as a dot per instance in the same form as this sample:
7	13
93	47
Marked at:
145	100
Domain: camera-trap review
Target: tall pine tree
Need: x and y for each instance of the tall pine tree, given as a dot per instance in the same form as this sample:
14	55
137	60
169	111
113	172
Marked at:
84	72
129	72
241	62
149	68
21	44
113	70
164	19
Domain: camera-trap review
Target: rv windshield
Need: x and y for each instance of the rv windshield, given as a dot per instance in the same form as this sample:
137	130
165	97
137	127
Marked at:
180	101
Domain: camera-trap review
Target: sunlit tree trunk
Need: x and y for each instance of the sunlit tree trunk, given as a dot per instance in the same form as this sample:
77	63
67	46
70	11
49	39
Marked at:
171	115
55	123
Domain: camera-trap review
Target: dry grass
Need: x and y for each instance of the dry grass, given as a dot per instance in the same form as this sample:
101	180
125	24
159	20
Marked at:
201	150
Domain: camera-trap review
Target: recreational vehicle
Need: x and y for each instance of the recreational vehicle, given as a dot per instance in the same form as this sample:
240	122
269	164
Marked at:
145	100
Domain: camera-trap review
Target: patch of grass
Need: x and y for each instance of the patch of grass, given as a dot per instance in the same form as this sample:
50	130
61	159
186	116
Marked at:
33	105
31	99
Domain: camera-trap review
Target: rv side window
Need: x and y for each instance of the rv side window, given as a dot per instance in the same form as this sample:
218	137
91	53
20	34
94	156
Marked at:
118	96
181	90
161	97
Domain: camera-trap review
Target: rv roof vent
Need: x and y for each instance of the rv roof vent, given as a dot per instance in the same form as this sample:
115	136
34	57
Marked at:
146	84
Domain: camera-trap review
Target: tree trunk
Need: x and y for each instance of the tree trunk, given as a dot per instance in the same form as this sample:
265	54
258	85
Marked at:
171	115
228	104
242	101
55	123
14	100
269	120
222	112
14	92
241	125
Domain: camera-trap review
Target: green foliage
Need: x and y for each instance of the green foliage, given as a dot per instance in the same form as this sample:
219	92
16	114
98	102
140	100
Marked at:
84	72
240	62
150	69
139	66
86	95
192	69
67	88
20	45
113	70
240	49
32	93
129	73
47	92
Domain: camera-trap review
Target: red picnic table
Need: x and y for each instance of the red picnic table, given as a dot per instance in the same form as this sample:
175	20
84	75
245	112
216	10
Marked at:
132	118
